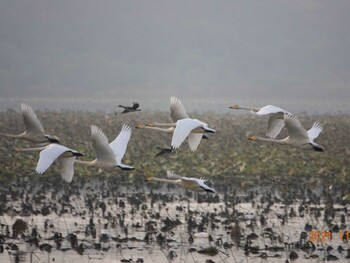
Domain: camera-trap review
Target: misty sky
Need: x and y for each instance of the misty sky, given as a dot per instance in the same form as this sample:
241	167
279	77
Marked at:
197	50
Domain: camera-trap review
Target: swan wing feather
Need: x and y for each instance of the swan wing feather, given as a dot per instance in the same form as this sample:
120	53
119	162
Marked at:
194	140
104	152
31	121
274	125
295	129
172	175
120	143
315	130
183	129
49	155
66	166
177	110
276	119
270	109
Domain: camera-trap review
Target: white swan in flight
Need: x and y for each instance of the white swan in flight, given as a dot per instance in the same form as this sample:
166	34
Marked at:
187	127
63	156
298	136
276	117
34	130
194	138
178	112
179	116
193	184
109	155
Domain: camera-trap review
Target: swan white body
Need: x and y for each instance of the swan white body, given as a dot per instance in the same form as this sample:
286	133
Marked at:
275	121
188	128
34	130
62	155
177	113
109	155
193	184
298	136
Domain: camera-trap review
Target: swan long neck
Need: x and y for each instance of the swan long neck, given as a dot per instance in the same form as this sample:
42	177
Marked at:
262	139
165	180
18	136
247	108
88	163
159	128
33	149
163	124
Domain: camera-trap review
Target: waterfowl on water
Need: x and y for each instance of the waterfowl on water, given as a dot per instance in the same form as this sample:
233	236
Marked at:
34	130
298	136
109	155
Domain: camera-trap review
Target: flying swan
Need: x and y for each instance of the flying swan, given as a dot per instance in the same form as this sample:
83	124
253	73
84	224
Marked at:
63	156
109	156
34	130
182	126
192	184
275	121
298	136
186	128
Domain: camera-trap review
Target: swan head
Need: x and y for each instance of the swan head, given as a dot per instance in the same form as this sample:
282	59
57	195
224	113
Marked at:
125	167
139	126
252	138
16	149
210	190
317	147
149	179
234	107
52	139
78	154
207	129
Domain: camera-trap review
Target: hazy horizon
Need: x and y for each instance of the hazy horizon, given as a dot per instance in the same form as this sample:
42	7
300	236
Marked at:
96	54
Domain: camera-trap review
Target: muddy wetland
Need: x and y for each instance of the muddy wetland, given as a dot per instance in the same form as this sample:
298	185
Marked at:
273	203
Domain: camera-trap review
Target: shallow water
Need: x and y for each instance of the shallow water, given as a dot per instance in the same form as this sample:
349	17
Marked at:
287	230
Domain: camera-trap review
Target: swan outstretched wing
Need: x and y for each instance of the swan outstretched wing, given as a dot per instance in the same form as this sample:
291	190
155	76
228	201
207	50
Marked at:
183	129
177	110
66	167
315	130
276	119
201	183
274	125
120	143
295	129
270	109
197	184
49	155
104	152
194	140
172	175
31	121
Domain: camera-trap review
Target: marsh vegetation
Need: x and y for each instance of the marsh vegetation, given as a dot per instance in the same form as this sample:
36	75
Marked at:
284	188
